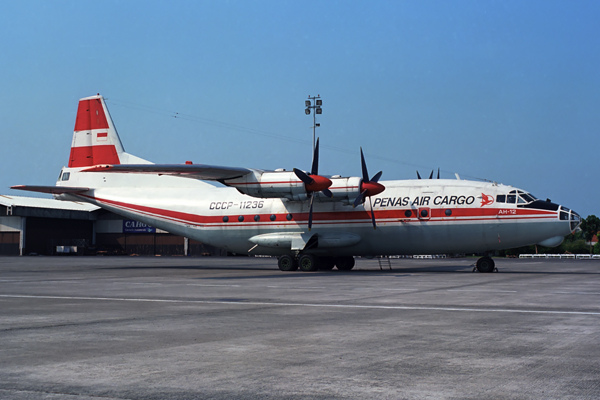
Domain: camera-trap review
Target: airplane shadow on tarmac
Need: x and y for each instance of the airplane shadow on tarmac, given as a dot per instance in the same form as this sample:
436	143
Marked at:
373	270
357	271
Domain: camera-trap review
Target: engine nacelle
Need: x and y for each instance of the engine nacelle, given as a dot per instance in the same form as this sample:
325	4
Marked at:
344	189
286	185
270	184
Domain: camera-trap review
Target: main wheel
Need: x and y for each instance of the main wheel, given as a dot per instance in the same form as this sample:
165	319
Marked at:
308	263
287	263
344	263
485	264
326	263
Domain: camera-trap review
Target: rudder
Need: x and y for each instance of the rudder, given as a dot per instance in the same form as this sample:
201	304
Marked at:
95	139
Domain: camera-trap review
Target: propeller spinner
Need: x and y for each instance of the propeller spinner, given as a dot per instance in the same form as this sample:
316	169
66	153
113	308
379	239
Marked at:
313	182
368	187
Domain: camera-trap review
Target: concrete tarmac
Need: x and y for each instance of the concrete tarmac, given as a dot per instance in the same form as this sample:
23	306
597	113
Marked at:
238	328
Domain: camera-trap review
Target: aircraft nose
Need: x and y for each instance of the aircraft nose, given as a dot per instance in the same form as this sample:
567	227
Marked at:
575	220
571	216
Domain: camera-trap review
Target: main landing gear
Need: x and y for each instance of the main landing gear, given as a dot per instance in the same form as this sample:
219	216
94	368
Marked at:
309	263
485	264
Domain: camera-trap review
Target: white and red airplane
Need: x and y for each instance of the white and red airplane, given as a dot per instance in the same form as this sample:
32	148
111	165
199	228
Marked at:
306	219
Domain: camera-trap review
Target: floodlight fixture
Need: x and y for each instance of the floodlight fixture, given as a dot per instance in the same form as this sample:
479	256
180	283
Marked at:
318	110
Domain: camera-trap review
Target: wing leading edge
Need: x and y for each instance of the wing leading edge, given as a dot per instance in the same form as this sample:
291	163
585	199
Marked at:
51	189
194	171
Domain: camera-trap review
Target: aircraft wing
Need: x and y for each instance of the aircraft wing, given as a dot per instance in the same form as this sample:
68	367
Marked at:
51	189
195	171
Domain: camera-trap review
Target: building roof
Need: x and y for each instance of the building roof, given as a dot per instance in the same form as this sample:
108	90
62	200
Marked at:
36	202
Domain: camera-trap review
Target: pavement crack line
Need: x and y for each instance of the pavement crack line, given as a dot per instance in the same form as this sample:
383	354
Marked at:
11	390
288	304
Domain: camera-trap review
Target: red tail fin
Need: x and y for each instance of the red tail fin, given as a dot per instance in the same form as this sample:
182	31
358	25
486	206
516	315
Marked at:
95	140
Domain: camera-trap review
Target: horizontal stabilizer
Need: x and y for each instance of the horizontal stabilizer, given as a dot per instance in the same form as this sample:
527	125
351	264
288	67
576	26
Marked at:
51	189
194	171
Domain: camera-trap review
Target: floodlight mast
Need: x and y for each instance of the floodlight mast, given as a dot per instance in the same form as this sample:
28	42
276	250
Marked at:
316	110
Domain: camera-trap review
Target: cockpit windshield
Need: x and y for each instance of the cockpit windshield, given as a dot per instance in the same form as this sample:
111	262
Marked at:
516	196
528	197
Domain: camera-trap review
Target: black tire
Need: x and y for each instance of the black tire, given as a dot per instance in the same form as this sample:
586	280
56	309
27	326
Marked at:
326	263
308	263
287	263
486	265
344	263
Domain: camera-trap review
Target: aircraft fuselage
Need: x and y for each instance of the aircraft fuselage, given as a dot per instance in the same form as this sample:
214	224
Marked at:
413	216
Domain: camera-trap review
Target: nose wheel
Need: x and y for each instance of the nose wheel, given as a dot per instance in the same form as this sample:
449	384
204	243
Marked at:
485	264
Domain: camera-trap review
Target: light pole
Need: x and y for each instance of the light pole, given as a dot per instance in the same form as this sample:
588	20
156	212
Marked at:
317	110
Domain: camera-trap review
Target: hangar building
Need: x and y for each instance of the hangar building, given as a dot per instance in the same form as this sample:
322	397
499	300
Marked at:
31	225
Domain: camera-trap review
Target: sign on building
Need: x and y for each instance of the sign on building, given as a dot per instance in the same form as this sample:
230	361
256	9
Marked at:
131	226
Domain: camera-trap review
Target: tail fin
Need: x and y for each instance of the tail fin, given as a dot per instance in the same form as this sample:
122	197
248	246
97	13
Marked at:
95	139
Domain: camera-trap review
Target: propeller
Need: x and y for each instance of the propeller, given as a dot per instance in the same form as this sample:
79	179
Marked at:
313	182
430	175
368	187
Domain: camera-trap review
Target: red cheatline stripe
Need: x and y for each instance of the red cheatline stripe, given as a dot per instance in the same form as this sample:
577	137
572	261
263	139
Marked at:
323	218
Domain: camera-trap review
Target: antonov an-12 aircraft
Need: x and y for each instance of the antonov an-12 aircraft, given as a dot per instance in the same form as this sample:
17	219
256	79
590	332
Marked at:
309	221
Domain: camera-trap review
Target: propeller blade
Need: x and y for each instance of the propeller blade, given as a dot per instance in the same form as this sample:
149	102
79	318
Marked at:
360	199
372	213
327	193
438	173
431	175
365	173
315	163
310	213
303	177
376	177
418	176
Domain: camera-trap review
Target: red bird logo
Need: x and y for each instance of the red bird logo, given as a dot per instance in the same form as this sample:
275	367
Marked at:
486	199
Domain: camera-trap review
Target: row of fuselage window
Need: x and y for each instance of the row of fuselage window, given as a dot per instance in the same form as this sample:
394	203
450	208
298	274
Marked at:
273	217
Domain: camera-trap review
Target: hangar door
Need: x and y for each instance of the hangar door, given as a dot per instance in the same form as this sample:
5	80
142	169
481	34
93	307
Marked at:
42	235
9	243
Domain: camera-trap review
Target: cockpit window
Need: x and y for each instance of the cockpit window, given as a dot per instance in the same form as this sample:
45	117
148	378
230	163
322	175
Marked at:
527	197
520	200
501	198
65	176
511	198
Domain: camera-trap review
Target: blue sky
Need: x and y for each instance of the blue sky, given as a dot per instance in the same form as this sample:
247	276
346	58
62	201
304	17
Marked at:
502	90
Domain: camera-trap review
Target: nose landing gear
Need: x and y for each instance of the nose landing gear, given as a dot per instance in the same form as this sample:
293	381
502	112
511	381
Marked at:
485	264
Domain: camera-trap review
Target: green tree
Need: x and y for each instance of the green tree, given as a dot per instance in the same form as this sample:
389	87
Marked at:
590	226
